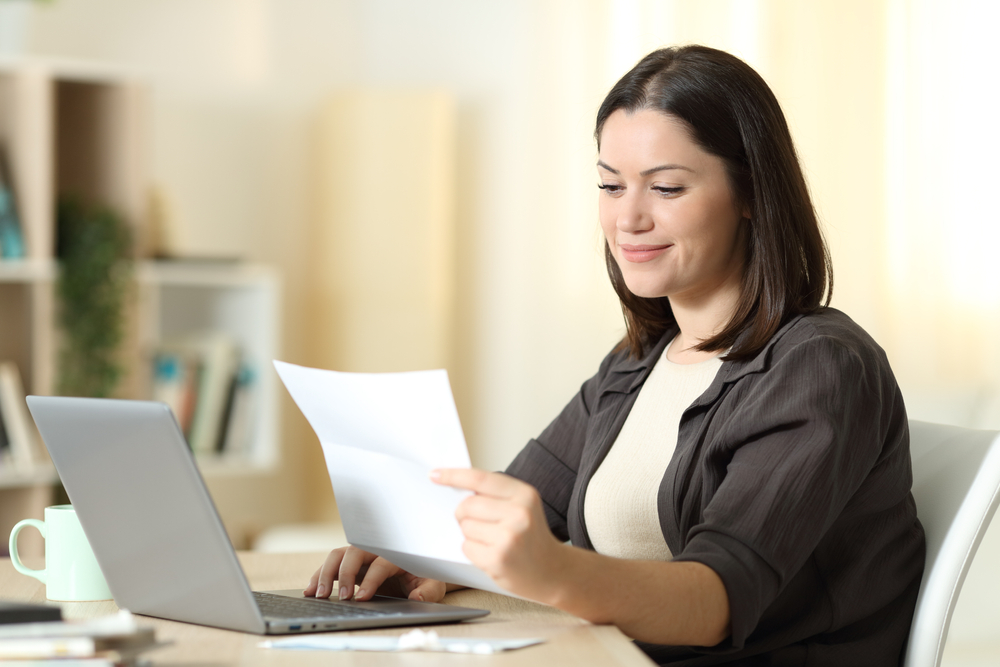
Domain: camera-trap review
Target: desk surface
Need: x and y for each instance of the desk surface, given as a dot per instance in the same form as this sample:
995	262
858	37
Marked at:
570	640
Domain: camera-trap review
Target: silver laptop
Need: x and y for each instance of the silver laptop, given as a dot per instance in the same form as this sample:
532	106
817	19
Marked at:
158	538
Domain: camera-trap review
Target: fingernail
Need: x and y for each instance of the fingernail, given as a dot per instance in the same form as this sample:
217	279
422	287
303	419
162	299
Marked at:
343	592
435	475
320	590
361	593
420	596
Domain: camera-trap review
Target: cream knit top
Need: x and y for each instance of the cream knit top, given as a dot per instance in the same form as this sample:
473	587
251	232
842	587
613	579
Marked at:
620	506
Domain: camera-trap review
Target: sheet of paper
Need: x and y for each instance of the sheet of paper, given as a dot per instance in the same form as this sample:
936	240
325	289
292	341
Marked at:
393	504
414	640
382	434
411	416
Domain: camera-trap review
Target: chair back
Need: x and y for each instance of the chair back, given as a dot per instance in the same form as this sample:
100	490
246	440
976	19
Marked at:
956	479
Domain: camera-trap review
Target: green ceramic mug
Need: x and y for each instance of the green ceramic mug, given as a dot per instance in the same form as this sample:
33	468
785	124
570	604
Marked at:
71	571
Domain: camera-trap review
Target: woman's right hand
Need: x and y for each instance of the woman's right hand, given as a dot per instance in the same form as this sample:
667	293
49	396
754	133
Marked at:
347	564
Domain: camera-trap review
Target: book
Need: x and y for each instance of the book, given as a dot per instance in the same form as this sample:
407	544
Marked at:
117	648
11	236
177	369
115	639
79	662
236	439
169	384
227	412
195	376
4	444
23	612
18	425
121	623
220	363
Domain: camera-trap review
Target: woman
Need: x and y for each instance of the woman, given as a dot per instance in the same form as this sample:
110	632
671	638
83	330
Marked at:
735	479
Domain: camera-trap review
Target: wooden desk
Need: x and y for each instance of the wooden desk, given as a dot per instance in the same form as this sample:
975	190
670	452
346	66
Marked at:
571	641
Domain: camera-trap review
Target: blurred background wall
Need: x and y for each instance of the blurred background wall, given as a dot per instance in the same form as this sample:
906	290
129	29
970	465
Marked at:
891	103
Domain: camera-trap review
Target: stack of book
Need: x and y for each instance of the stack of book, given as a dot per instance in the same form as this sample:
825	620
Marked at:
11	235
97	642
209	387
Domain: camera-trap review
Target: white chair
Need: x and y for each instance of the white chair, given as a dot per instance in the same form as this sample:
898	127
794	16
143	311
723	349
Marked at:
956	483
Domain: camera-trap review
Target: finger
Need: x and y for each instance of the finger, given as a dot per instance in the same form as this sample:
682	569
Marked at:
428	590
317	577
482	556
379	570
472	479
482	508
487	483
326	574
310	588
350	567
483	532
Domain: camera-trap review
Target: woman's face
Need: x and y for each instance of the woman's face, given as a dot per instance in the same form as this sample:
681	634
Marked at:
667	211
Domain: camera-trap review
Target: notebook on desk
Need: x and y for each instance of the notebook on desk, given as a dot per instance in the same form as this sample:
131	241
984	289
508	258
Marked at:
158	538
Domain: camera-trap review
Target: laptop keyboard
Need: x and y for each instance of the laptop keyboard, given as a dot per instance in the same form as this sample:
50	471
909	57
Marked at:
279	606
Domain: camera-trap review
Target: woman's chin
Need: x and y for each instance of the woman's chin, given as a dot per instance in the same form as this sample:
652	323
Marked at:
645	291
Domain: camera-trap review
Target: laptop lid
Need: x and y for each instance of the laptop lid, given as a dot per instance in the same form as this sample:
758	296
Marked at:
145	509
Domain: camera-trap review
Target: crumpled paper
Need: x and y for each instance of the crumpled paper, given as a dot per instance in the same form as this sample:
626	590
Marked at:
414	640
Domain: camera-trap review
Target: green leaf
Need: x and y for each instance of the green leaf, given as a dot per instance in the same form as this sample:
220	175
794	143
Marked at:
94	251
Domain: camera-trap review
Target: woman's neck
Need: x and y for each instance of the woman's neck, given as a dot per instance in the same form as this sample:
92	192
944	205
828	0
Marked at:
699	320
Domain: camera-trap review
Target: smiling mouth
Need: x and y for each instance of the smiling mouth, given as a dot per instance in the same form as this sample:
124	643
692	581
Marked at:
641	253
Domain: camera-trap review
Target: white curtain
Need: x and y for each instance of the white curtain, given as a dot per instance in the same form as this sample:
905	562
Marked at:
942	220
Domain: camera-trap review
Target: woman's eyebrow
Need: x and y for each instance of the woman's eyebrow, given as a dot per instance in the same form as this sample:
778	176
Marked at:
664	167
646	172
606	167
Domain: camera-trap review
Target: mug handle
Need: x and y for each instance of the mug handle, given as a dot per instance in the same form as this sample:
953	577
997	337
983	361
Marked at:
15	559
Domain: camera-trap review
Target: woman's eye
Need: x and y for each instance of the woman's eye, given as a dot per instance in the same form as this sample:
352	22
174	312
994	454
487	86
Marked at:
610	188
664	190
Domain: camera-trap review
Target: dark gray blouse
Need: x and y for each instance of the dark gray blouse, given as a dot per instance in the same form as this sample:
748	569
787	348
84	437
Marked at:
791	480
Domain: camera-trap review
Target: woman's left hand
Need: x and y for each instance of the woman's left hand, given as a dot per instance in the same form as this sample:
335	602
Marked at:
506	534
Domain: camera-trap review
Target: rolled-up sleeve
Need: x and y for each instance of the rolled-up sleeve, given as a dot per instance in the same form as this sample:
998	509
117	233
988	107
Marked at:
804	438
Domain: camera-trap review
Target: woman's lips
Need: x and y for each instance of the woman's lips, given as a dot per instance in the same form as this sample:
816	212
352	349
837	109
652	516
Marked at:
641	253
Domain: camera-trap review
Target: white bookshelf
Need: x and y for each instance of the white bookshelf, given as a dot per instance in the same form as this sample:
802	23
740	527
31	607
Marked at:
239	300
26	271
71	127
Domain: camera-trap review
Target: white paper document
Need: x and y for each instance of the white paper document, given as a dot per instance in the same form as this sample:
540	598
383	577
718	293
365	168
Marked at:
382	434
414	640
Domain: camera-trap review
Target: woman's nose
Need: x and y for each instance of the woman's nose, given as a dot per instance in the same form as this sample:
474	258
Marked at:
633	215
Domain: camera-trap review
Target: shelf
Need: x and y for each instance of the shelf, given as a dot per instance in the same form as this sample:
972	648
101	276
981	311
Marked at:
158	272
72	70
176	299
202	273
27	270
39	475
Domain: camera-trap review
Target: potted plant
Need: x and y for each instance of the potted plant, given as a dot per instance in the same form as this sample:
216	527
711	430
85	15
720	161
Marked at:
94	250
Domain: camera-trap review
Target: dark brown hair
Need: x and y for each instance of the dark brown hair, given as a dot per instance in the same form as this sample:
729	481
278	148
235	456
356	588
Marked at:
732	114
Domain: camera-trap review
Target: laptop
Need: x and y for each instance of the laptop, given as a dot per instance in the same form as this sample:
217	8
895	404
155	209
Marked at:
157	536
